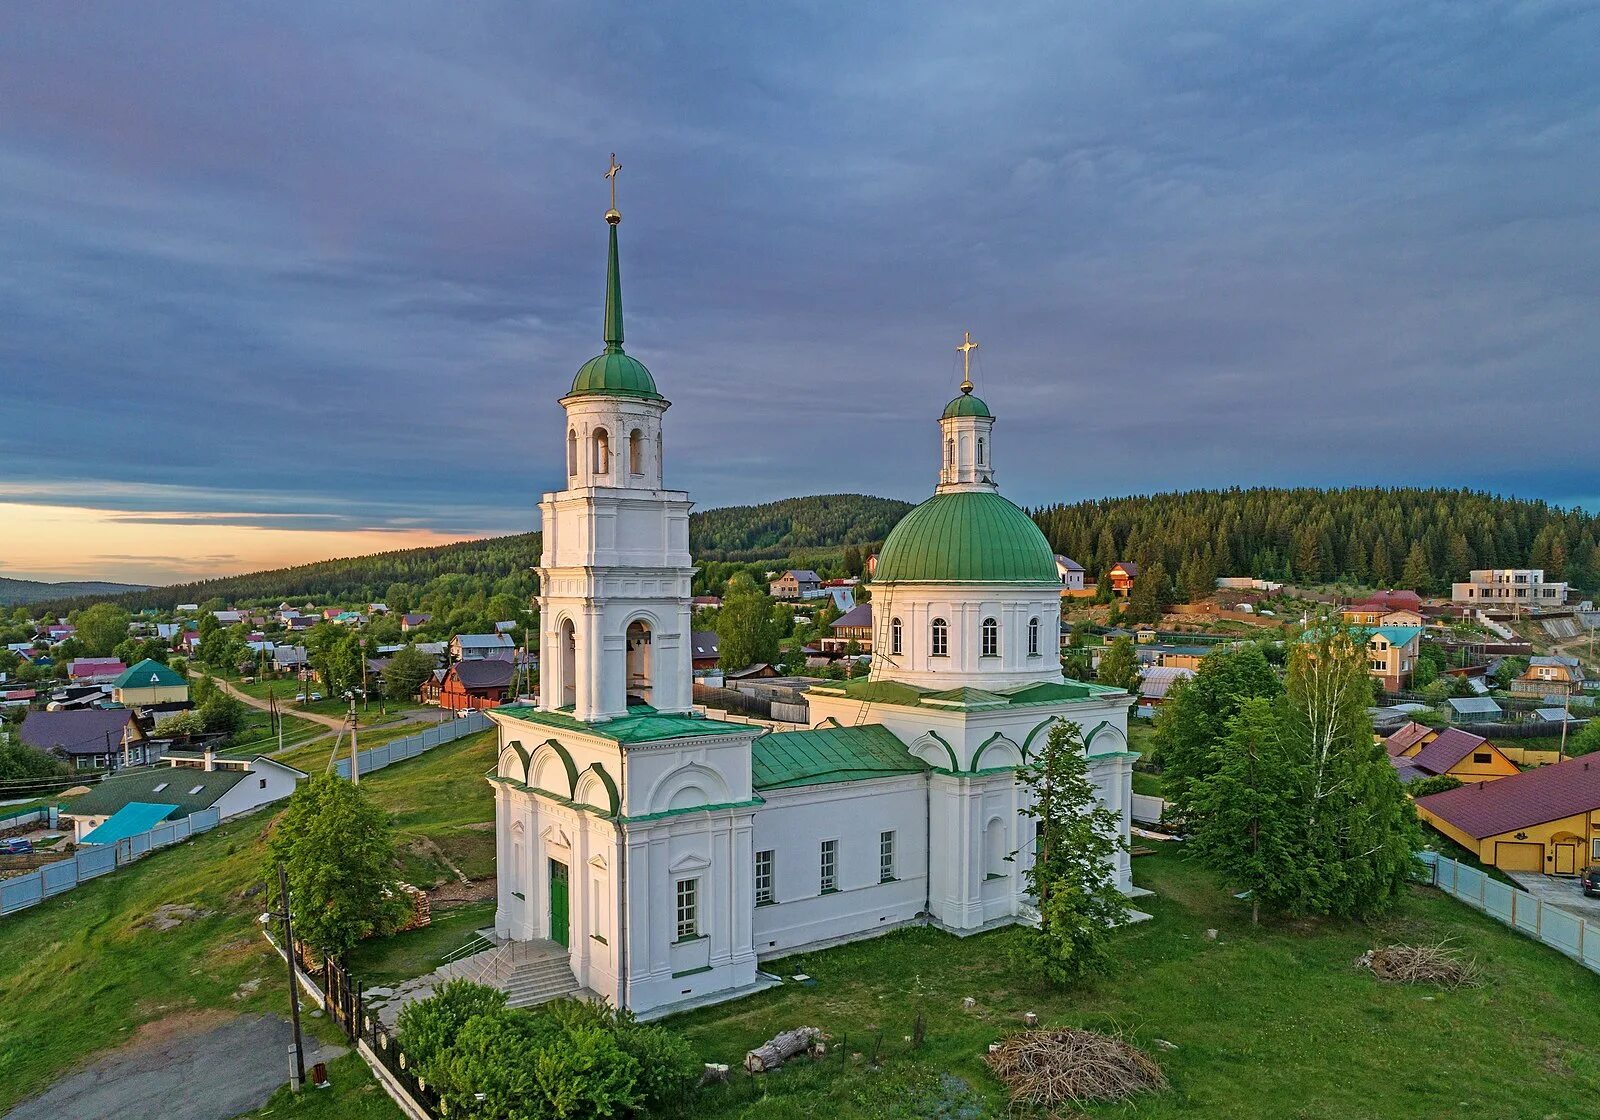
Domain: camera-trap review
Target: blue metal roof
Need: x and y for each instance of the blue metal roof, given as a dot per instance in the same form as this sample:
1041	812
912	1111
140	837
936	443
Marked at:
130	820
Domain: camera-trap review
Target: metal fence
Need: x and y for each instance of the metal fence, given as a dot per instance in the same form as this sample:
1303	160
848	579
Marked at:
412	745
24	891
36	814
1560	929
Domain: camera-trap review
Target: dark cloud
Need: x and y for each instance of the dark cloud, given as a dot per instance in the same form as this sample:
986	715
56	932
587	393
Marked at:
339	261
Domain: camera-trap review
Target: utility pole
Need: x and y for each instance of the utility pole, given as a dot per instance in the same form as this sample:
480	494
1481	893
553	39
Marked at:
294	989
1566	714
355	749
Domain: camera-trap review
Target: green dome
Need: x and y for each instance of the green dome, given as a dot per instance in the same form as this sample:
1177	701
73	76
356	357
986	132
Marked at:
614	374
965	405
969	536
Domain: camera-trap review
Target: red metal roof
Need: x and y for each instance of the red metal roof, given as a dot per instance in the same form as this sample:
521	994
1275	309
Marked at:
1452	745
1406	737
1521	800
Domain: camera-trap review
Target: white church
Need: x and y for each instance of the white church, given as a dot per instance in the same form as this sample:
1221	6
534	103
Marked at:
670	853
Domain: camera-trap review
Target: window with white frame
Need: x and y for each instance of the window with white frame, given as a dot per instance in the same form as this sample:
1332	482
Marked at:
688	909
764	878
990	638
895	632
828	869
938	639
1597	849
885	857
1033	637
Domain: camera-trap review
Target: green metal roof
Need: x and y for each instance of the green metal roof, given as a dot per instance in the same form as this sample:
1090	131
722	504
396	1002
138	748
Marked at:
969	536
613	373
130	820
642	724
149	673
1396	635
830	754
910	696
186	788
965	405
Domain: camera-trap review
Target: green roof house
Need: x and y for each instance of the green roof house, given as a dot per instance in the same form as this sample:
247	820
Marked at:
148	684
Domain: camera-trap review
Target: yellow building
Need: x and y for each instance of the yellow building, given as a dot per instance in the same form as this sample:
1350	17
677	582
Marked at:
1392	653
147	684
1420	752
1539	820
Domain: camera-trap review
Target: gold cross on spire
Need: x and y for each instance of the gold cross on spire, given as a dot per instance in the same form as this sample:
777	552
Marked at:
967	347
612	215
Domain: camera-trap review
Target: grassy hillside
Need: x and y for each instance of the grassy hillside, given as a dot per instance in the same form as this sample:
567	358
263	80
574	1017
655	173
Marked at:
16	591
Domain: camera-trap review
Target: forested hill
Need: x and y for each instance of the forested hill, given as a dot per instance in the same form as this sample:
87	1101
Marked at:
33	591
500	565
1406	537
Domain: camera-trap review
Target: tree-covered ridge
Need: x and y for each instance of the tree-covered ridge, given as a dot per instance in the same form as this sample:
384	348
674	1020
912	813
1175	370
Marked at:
780	529
1404	536
34	591
502	565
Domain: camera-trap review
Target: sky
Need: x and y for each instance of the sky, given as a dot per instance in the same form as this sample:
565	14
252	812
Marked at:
285	281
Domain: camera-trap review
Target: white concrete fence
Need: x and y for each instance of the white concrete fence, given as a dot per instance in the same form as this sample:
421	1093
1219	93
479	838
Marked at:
412	745
1147	809
91	862
1560	929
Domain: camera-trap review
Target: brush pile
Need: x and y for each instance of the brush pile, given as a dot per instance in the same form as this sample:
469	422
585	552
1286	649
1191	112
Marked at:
1420	964
1048	1069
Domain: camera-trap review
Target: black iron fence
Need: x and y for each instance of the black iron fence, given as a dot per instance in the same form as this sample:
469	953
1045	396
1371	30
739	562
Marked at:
346	1006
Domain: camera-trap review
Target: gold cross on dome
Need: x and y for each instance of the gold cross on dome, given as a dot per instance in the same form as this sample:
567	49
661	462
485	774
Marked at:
611	174
967	347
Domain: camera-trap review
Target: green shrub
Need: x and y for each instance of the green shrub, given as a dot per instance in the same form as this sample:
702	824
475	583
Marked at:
427	1028
1436	784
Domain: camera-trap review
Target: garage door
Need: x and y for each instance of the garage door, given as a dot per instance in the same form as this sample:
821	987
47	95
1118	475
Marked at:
1519	857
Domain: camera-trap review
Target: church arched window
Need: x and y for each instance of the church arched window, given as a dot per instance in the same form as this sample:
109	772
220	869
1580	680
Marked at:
989	638
602	451
939	639
636	451
980	451
994	848
1033	637
895	633
572	453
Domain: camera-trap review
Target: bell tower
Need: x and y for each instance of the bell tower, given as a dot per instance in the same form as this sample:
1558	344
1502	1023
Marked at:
614	573
966	431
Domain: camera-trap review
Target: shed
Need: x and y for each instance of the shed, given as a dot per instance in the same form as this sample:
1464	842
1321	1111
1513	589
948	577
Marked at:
130	820
1474	709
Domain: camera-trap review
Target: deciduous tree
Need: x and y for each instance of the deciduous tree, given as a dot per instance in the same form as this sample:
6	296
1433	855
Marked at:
1119	665
748	626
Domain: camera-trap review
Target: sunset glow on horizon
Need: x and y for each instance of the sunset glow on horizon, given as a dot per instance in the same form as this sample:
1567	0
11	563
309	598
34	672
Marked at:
63	542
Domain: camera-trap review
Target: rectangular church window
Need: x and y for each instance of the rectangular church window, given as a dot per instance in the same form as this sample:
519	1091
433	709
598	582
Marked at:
885	857
688	909
764	878
830	866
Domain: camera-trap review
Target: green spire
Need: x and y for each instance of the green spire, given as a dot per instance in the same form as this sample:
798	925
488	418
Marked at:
613	294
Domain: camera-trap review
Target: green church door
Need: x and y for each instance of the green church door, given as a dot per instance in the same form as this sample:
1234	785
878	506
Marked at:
558	901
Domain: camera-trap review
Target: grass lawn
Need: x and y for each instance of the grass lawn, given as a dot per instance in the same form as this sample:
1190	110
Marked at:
393	960
257	736
312	756
82	971
352	1094
1270	1023
286	690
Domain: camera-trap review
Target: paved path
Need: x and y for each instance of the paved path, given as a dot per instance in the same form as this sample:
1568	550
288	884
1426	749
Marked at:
210	1075
1553	891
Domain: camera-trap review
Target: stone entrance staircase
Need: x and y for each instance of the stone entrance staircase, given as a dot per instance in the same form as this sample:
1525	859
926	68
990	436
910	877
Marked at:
529	972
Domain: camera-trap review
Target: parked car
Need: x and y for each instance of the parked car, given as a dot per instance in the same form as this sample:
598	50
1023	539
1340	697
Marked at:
301	697
1590	881
16	846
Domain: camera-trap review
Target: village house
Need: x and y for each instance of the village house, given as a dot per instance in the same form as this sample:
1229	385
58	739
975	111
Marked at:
1071	573
1539	820
1172	656
855	625
796	583
410	622
481	682
288	659
126	804
705	648
1417	751
94	670
89	738
1123	573
1392	653
1550	675
149	684
1374	613
473	647
1156	684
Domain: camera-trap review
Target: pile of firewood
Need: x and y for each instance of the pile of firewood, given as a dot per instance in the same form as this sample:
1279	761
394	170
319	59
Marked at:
1421	964
1047	1069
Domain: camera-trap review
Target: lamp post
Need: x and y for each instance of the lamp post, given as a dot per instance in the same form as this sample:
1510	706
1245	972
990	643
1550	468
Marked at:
299	1068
